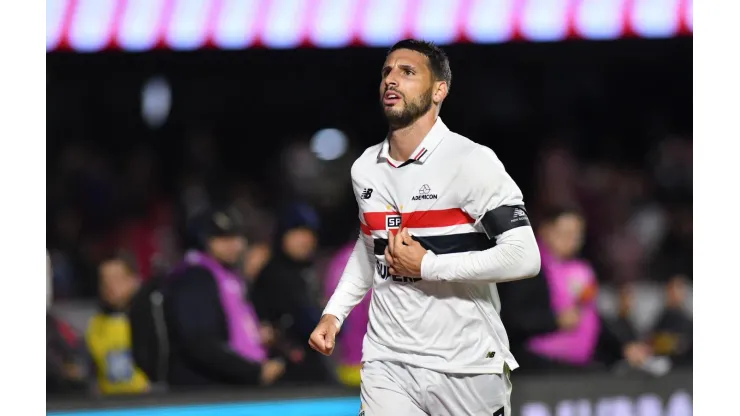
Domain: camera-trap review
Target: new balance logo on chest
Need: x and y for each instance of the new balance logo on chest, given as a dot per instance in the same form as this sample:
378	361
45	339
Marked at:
366	193
425	192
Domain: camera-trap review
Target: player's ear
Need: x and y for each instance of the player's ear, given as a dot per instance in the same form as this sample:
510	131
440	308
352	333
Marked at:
440	92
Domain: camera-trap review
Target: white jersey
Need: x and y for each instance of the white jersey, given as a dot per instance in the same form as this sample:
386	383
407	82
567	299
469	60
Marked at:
447	320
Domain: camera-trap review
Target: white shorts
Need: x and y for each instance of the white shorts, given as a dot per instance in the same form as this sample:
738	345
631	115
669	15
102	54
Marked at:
396	389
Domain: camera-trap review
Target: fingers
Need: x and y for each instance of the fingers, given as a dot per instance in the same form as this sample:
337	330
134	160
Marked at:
317	339
406	237
388	257
391	242
322	338
331	335
398	243
390	261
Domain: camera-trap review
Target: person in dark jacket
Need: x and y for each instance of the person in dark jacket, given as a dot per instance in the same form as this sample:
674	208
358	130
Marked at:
286	292
619	339
66	372
214	334
673	333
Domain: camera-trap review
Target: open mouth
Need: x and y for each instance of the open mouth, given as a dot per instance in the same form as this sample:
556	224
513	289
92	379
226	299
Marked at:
390	98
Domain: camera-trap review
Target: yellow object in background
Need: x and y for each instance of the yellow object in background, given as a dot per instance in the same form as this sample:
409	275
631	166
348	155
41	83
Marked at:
108	339
349	375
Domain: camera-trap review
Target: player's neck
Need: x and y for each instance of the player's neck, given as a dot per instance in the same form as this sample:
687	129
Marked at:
405	140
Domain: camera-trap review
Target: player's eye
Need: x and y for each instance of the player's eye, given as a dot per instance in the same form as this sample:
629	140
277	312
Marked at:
408	72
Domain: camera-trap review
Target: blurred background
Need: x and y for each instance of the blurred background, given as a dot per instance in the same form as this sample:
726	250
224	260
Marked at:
161	113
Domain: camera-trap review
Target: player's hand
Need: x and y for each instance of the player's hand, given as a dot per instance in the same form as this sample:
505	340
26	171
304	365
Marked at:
322	338
404	255
569	318
271	371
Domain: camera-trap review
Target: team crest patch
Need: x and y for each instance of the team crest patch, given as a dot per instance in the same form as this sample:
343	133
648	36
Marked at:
392	222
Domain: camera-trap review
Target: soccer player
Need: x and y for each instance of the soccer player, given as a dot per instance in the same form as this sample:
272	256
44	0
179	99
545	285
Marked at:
442	223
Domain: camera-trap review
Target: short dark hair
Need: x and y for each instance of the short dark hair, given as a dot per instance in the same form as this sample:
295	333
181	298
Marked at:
437	58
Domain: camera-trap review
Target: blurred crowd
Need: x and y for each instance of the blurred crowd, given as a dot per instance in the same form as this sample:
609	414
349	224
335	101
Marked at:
214	280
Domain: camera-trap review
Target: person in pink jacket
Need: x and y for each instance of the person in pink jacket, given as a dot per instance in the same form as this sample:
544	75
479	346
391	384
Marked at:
349	342
551	320
572	293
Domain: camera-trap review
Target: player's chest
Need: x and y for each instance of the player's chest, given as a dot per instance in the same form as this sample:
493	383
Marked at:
392	195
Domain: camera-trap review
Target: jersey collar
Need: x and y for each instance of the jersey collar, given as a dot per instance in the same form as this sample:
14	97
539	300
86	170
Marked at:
422	152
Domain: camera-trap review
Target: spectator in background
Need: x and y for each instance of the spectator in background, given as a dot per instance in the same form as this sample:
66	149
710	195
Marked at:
349	341
675	252
108	335
672	335
619	340
284	292
65	369
214	332
552	319
283	289
255	259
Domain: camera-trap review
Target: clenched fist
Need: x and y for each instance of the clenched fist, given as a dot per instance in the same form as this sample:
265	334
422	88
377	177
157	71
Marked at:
322	338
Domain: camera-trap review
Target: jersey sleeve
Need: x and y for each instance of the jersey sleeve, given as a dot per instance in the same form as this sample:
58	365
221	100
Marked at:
356	280
357	277
489	195
485	186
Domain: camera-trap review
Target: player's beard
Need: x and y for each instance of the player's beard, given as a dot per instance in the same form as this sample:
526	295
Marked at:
412	110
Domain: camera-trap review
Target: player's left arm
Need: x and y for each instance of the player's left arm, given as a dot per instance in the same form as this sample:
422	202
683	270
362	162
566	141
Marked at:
491	197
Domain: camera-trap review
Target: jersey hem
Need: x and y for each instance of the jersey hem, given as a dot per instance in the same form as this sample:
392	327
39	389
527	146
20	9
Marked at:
498	368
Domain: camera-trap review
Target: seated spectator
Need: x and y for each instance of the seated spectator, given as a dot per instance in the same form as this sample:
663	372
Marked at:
285	292
619	341
149	338
65	359
552	319
65	364
673	333
214	332
108	334
349	340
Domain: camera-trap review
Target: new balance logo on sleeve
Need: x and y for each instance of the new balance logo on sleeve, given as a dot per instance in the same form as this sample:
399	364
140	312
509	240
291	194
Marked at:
519	215
366	193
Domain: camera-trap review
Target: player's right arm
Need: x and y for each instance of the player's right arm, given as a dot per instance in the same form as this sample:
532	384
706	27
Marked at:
354	284
356	280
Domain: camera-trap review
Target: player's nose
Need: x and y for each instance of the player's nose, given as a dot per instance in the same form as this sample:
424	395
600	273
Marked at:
390	81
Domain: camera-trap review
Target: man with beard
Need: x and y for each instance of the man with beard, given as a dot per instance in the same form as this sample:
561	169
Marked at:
442	223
